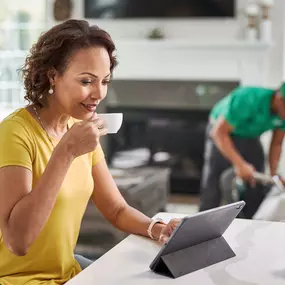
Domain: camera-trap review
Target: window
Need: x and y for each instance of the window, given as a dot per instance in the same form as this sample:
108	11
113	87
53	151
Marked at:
21	22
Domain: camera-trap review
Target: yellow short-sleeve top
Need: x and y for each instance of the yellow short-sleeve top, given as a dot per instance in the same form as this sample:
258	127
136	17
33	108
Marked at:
50	260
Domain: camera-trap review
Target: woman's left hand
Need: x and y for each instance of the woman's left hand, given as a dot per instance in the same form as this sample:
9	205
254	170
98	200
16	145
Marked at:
168	230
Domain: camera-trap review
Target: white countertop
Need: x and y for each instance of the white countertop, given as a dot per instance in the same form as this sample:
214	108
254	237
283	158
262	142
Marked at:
260	259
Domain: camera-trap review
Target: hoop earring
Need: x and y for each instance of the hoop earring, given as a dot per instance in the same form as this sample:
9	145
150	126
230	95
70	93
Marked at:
50	91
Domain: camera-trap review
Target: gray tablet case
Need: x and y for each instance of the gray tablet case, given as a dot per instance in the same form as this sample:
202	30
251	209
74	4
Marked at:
197	242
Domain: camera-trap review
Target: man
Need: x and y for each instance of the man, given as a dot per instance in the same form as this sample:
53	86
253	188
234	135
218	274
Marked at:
235	125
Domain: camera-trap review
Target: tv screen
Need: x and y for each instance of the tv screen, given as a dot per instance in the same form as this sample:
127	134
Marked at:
125	9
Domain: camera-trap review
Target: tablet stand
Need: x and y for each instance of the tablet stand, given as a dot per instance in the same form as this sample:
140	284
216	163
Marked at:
193	258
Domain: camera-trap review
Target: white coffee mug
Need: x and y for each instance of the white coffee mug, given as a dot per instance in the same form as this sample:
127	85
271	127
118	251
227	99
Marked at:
113	121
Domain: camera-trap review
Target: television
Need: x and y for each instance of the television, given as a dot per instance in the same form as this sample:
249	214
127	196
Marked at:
142	9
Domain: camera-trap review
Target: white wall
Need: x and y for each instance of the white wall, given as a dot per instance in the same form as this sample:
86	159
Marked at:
277	65
276	57
227	29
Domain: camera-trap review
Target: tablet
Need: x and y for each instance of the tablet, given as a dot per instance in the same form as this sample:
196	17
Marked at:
198	228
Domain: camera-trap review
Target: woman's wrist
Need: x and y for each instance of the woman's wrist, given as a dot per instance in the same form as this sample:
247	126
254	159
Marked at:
156	230
61	150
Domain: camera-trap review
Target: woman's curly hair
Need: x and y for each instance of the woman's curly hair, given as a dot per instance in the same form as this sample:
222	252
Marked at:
53	51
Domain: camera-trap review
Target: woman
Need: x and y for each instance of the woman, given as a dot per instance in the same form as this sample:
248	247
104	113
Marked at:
51	161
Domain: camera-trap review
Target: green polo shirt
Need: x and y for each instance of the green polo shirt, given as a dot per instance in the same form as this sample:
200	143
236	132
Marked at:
248	111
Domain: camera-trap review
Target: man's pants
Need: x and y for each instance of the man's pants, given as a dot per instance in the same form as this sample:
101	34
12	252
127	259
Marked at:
215	163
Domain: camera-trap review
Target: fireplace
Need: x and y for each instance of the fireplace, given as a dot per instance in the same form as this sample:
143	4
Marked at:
166	117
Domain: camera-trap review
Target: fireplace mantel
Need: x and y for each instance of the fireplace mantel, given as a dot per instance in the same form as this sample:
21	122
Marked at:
176	59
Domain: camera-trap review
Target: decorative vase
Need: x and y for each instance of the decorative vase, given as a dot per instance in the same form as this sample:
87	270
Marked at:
252	12
265	22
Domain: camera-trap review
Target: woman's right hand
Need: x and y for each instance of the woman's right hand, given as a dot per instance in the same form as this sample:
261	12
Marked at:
83	137
246	172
